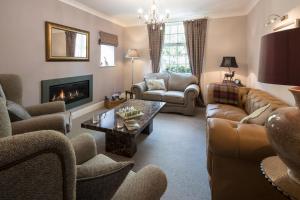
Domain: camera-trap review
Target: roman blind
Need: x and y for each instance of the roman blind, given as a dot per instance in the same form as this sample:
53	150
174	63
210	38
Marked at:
108	39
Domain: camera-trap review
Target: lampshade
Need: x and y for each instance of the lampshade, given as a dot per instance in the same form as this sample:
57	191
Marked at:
280	58
229	62
132	53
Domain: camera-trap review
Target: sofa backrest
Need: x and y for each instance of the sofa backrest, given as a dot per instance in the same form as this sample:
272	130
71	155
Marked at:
179	82
164	76
258	98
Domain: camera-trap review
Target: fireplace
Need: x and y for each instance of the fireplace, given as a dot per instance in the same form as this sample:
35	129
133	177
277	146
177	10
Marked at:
74	91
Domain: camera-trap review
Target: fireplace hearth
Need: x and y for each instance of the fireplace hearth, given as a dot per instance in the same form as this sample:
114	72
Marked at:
74	91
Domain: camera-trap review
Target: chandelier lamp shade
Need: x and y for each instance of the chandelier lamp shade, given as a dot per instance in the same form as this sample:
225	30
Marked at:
153	16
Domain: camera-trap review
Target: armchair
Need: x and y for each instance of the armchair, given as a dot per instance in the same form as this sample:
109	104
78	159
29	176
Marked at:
42	165
180	94
47	116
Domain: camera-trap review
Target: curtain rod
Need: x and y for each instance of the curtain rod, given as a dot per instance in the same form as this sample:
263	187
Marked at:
186	20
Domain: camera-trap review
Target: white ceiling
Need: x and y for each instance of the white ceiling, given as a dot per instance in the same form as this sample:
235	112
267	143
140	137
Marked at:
124	12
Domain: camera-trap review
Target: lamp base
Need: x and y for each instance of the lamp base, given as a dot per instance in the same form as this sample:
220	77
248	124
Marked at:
283	128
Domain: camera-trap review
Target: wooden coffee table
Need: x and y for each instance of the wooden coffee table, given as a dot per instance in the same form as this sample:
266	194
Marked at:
120	140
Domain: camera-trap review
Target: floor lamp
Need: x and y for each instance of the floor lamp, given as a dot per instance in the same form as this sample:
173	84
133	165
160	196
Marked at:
132	54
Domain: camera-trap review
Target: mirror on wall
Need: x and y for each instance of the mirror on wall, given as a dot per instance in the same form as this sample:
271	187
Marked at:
65	43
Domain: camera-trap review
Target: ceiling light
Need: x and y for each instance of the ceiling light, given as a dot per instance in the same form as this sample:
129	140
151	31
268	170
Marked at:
153	17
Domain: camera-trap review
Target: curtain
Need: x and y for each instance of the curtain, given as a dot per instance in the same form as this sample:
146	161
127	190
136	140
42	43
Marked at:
156	39
195	33
70	43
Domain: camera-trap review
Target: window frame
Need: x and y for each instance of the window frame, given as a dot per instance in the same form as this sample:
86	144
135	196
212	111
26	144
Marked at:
114	55
169	33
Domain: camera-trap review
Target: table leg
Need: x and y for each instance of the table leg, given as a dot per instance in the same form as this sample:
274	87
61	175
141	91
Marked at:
148	130
120	144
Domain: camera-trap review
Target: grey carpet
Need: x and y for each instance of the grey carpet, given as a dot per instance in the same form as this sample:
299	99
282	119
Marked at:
177	145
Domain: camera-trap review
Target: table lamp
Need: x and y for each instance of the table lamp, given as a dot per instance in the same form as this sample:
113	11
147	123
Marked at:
229	62
280	64
132	54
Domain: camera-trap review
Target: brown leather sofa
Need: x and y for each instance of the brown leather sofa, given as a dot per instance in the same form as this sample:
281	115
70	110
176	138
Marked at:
235	150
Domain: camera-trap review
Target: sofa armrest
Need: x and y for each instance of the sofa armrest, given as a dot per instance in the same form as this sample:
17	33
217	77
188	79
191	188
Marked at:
233	139
35	165
193	90
85	147
149	183
47	108
138	89
55	122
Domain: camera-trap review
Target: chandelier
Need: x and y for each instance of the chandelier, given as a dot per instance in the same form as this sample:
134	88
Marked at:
153	17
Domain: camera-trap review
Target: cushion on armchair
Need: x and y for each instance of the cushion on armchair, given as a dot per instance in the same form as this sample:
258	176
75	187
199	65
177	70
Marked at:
100	177
226	94
5	125
2	94
16	111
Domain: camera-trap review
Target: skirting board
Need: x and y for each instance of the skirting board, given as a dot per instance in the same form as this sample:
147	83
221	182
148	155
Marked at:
88	109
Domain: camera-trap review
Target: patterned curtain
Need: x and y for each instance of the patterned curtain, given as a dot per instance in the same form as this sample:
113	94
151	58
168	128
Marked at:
195	33
156	40
70	43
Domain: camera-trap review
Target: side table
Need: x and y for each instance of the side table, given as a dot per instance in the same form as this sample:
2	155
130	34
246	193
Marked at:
275	172
130	93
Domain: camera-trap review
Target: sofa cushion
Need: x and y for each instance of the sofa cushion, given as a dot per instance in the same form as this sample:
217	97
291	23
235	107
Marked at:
164	76
224	111
178	82
155	84
100	177
5	125
258	98
174	97
154	95
16	112
259	116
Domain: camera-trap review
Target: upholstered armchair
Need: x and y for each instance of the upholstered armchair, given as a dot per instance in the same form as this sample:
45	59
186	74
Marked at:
47	165
47	116
180	93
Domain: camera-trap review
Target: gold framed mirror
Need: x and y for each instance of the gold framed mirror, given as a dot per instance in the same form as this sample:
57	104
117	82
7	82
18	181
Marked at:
65	43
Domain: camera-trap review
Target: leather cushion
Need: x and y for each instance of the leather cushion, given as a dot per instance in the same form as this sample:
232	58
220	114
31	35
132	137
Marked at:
16	112
174	97
154	95
178	82
258	98
5	125
224	111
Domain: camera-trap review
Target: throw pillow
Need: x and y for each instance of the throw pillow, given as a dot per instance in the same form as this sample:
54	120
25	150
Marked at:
226	94
2	94
16	111
259	116
155	84
5	125
99	179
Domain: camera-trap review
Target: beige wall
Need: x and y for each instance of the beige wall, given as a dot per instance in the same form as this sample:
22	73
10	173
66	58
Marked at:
136	38
225	37
256	29
22	48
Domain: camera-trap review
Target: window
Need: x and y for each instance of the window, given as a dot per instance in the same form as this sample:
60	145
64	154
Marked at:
107	55
174	53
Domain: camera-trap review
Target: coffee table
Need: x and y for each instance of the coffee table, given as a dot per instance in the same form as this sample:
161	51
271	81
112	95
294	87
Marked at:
121	141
